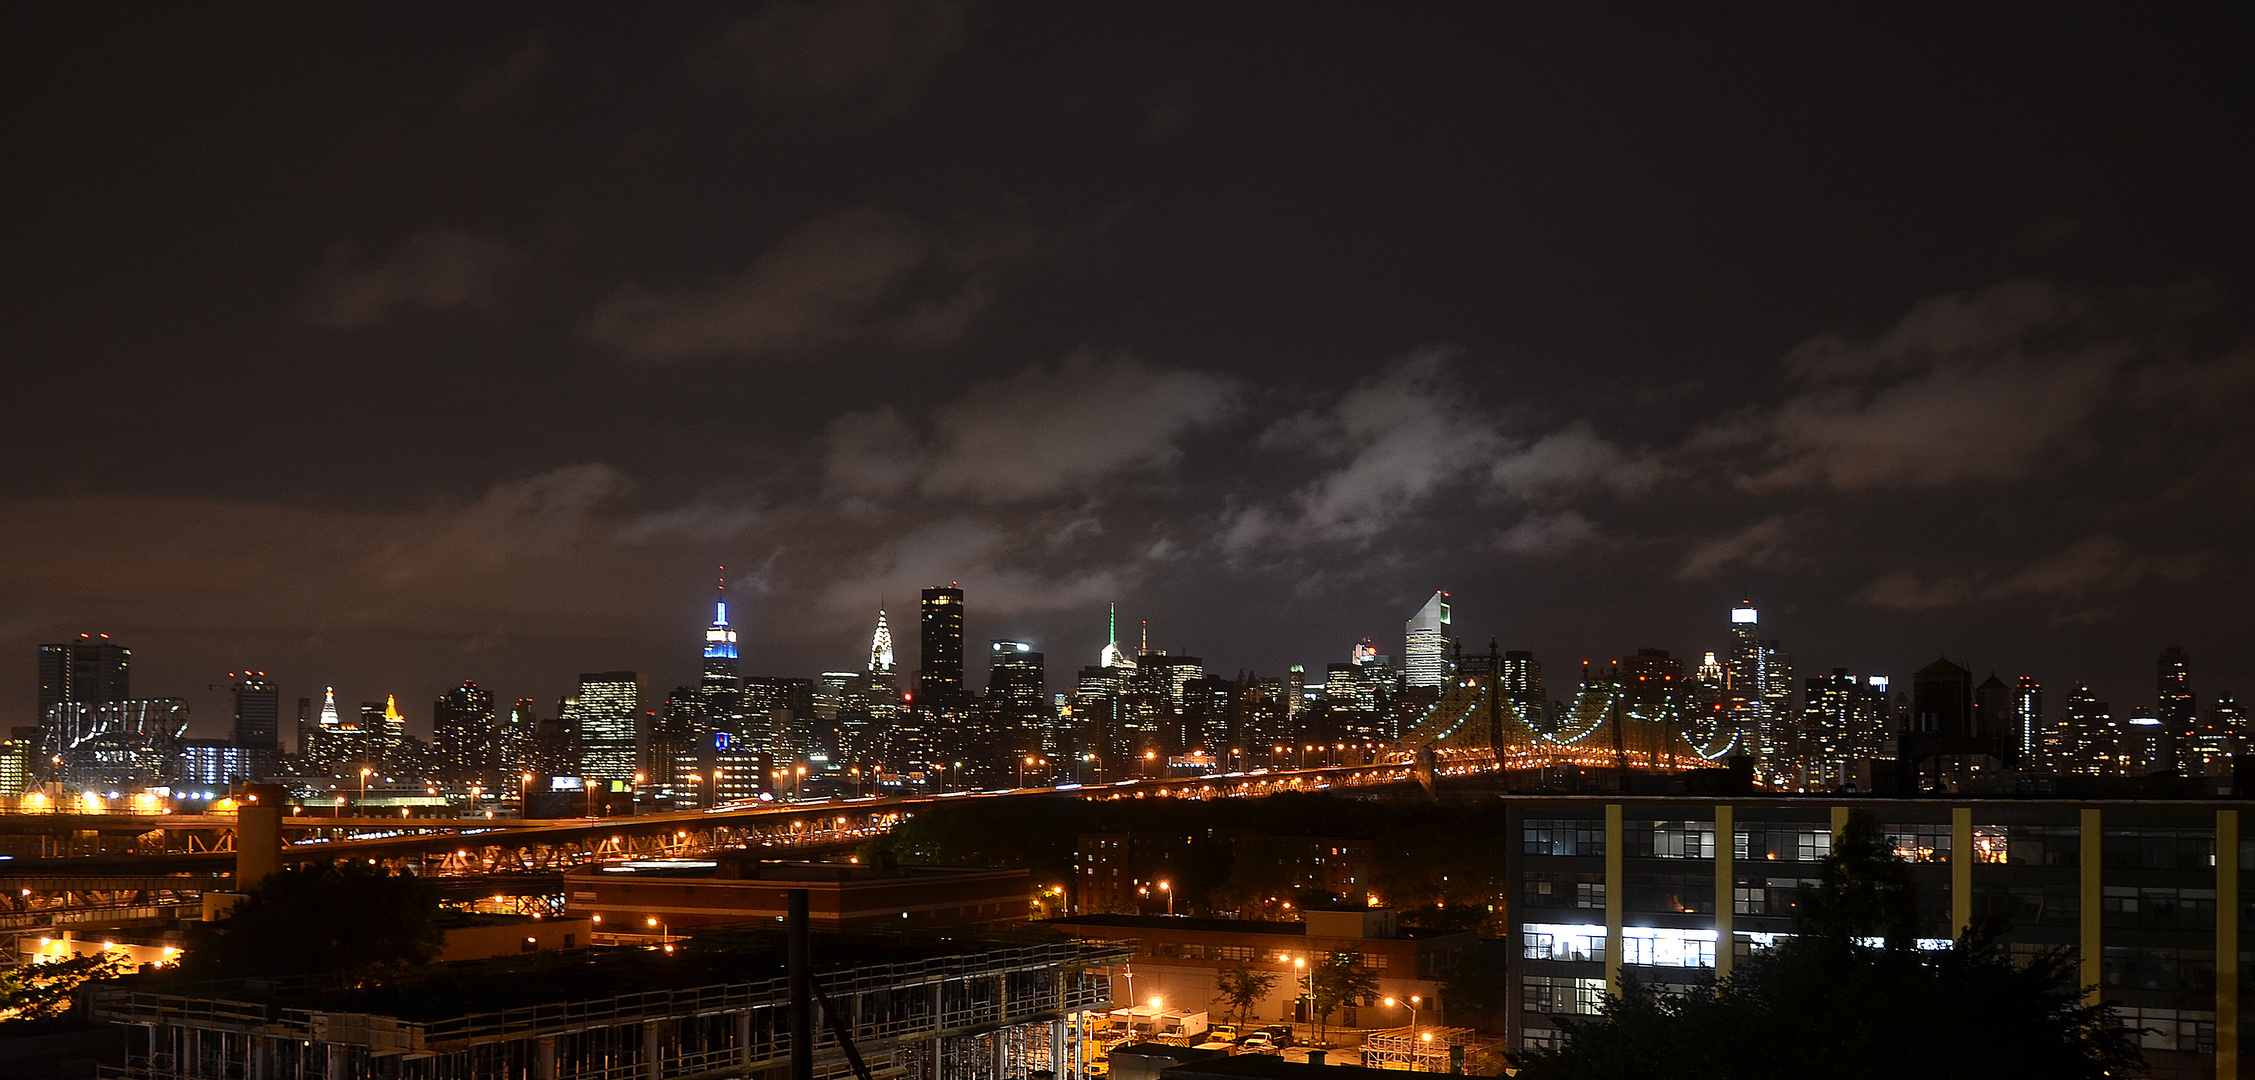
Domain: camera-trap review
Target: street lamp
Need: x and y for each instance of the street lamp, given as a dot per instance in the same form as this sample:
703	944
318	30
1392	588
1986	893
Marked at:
590	798
524	795
1412	1004
362	805
1167	887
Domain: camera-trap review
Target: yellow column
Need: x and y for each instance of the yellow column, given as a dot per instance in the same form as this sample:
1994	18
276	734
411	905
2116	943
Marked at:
2227	945
1839	822
1613	845
1961	868
1726	883
2093	854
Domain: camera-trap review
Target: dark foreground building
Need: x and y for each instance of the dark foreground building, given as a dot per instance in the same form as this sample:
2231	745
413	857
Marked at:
961	1009
2146	893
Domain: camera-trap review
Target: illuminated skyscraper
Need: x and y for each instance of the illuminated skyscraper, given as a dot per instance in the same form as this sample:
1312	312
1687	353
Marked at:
1425	645
1018	696
2028	724
463	733
1522	684
722	673
2173	702
939	679
330	721
1743	674
1113	656
92	670
258	713
605	713
881	645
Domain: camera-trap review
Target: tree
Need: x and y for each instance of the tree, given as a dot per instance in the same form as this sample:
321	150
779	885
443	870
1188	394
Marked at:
1850	996
42	991
321	920
1242	987
1339	980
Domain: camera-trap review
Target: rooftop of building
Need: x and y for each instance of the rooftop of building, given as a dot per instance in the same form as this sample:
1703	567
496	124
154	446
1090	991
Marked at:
736	957
1181	923
745	868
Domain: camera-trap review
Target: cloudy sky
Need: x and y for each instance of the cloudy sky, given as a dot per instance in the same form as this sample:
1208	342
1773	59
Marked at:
391	345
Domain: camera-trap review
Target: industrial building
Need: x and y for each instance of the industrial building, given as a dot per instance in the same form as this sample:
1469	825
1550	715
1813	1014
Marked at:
916	1009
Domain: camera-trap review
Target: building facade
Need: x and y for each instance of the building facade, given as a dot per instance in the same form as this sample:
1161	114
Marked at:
2146	894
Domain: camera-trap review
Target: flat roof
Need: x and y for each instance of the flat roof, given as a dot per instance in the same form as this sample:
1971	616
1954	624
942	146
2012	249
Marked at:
465	988
755	870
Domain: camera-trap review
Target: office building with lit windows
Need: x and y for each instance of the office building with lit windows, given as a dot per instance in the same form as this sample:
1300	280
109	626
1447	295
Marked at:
1676	889
1425	643
605	714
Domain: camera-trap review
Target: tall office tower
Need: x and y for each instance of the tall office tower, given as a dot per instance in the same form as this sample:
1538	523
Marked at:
330	721
92	670
2173	700
384	726
15	761
939	679
1112	655
305	725
2223	735
1018	693
2147	745
674	737
463	733
1743	680
881	645
1942	700
258	713
1425	643
555	743
1994	715
1831	721
2028	732
1522	684
1295	692
513	746
1101	713
2210	751
2091	734
606	714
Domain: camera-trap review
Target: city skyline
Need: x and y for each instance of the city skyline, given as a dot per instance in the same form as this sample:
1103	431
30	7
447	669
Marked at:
2131	688
1927	331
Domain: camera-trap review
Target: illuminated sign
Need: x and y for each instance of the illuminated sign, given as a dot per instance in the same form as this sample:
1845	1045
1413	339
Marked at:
1742	615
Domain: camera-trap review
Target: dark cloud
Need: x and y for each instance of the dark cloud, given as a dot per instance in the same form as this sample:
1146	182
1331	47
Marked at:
1923	333
872	52
435	270
865	274
1036	434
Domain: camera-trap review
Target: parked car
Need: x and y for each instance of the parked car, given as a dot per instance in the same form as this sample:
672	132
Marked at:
1280	1034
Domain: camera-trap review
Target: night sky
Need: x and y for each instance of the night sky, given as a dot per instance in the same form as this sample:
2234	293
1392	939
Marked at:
391	345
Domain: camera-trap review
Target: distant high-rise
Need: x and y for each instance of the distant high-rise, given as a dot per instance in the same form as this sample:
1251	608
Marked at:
1522	684
2028	724
939	678
1017	693
258	713
1743	672
2173	702
92	670
881	645
1425	645
1112	655
606	713
722	673
1994	715
2091	734
463	732
329	719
